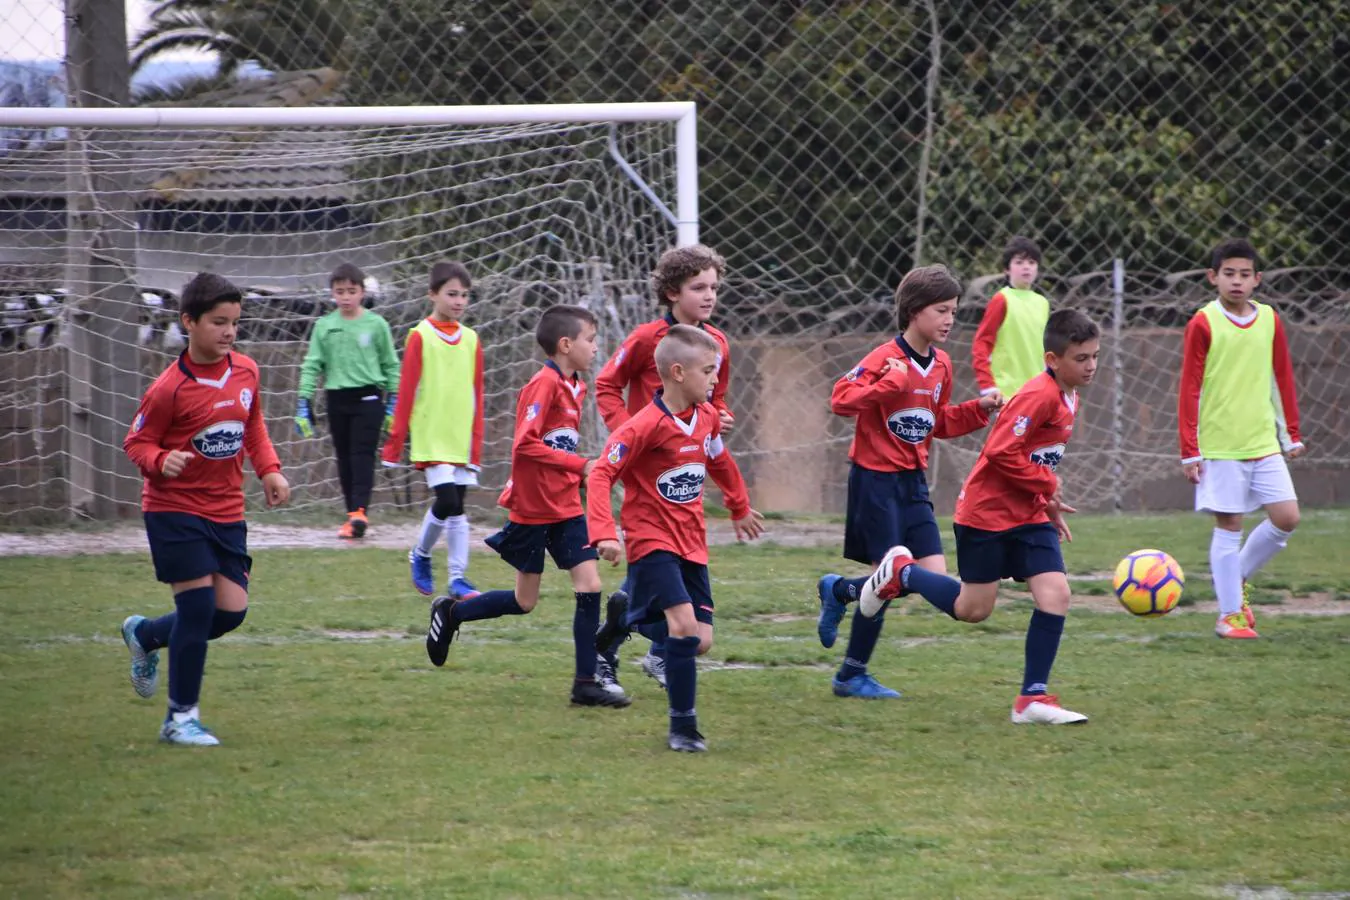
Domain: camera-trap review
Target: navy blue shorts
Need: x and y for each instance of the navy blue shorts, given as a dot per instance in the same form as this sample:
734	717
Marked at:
523	546
185	547
661	580
983	557
885	509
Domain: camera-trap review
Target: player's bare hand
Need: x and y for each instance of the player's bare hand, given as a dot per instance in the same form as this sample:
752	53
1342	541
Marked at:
276	488
1193	471
609	551
748	527
175	461
1062	528
590	466
892	363
1296	452
991	400
727	422
1058	507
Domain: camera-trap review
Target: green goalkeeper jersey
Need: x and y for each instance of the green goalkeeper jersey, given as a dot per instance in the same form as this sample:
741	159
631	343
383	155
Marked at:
349	353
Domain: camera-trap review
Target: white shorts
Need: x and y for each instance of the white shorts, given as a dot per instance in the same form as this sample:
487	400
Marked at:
1243	485
444	473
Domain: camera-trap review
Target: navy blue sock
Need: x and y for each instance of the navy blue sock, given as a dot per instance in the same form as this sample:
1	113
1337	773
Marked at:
657	633
187	646
862	640
488	605
939	590
152	634
682	682
224	621
1043	633
846	590
585	622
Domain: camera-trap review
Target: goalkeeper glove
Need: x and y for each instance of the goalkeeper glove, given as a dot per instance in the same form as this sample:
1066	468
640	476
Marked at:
390	402
304	418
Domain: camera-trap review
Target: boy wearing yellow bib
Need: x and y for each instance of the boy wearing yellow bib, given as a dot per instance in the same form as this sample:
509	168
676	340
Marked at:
440	399
1007	350
1237	412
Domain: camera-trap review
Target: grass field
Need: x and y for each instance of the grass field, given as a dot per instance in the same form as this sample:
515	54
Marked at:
351	767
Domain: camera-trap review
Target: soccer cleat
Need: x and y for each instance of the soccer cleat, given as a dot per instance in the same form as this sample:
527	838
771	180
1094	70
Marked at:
591	693
422	578
1247	607
655	667
864	687
347	532
462	589
355	526
613	630
885	583
607	675
188	733
831	611
1043	709
687	743
1234	626
144	666
442	630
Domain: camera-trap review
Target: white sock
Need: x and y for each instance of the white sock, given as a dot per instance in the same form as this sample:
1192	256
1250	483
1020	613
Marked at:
1226	569
430	534
1262	544
181	717
457	539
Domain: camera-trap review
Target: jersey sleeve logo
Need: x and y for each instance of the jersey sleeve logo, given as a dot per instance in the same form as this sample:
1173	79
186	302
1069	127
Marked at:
1020	425
246	399
911	425
531	412
682	484
220	440
565	439
937	393
617	451
618	357
1048	456
138	423
855	373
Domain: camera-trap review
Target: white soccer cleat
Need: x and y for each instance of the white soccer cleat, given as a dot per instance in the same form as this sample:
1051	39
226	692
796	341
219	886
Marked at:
1043	709
884	584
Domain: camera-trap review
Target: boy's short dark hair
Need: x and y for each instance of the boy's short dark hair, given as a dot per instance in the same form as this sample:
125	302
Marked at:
1234	248
348	272
204	291
679	264
921	288
1067	327
446	271
1020	246
560	322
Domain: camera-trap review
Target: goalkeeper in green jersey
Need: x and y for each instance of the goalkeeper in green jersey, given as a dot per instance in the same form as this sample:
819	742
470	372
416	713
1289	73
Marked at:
352	350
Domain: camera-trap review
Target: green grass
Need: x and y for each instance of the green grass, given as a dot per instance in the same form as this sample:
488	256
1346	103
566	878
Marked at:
351	767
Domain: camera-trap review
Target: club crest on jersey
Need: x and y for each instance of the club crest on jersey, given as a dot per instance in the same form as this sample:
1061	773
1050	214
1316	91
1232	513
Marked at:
531	412
1020	425
911	425
618	357
855	373
1048	456
616	452
682	484
246	399
220	440
138	423
937	393
566	439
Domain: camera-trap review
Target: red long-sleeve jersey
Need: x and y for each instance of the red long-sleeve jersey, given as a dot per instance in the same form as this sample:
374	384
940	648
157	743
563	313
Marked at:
898	412
410	375
662	460
215	413
1014	478
633	366
1195	348
546	468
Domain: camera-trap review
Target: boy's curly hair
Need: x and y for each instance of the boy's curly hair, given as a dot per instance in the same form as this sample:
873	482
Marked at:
680	264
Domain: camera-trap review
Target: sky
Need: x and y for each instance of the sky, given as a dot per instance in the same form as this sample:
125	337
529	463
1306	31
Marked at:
35	29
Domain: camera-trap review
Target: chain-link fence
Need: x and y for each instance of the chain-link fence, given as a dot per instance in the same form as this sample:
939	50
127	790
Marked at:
842	143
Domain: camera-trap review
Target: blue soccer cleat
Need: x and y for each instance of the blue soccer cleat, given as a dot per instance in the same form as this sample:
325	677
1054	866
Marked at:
187	733
462	589
831	611
864	687
144	666
421	573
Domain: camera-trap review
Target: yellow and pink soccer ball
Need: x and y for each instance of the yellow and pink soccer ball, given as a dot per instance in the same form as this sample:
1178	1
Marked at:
1149	583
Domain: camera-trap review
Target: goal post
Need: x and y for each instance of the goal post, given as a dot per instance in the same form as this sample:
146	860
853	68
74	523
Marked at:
545	203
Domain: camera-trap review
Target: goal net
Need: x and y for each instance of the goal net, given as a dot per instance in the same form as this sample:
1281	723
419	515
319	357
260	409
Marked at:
545	205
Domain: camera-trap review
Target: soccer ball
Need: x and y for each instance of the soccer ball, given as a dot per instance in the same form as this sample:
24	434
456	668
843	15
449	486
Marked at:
1149	583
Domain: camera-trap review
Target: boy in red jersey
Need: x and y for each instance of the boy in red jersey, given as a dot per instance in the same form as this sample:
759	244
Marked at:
662	455
194	424
543	499
1237	414
440	400
896	396
685	282
1010	517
